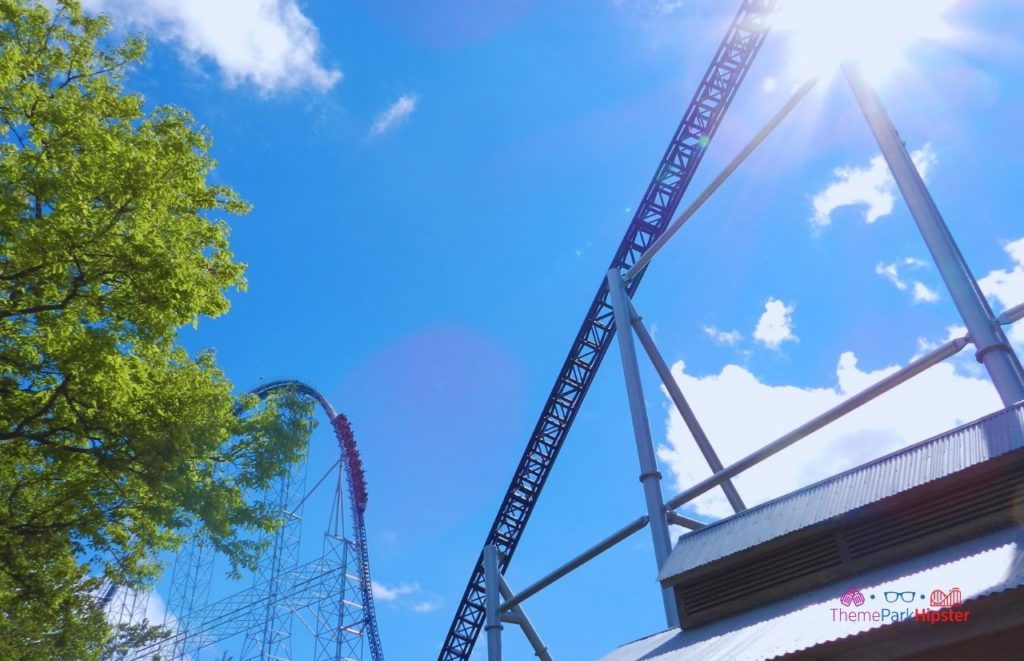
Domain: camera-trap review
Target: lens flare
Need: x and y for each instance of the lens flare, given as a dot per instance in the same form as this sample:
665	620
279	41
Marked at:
873	33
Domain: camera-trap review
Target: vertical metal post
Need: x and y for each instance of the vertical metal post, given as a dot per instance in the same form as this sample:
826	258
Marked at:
993	350
676	393
649	475
492	585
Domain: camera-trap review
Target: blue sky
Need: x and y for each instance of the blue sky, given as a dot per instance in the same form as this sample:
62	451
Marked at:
437	194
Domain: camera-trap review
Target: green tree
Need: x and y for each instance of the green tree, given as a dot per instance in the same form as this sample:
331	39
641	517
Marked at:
114	441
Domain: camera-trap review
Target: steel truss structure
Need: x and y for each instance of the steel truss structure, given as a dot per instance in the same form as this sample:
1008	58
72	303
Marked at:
700	121
488	602
330	597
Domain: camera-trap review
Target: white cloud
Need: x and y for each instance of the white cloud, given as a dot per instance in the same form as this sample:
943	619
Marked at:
383	592
394	115
933	402
871	186
402	596
723	337
268	43
131	607
775	325
891	272
652	6
428	606
922	294
1006	287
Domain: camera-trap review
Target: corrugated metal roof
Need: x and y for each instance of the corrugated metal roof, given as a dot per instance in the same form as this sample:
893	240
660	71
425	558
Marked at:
929	460
979	567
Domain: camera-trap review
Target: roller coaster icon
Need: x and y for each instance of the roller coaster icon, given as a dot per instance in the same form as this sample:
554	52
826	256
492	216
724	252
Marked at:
952	598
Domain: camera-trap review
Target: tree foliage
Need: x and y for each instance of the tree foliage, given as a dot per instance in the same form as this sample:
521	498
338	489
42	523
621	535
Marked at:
114	441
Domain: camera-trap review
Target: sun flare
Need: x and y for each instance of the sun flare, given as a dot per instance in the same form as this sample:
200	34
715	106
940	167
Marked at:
873	33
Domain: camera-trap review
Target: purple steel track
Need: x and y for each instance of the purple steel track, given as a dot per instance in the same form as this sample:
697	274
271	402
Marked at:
730	65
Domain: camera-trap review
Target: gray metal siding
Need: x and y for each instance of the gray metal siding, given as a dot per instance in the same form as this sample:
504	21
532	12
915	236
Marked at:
943	455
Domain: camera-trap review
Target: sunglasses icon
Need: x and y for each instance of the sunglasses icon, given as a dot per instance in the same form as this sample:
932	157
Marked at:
907	597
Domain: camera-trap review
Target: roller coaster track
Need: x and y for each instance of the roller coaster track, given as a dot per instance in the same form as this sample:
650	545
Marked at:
717	88
352	464
253	610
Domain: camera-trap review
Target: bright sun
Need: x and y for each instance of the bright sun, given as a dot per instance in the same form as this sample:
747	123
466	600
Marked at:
874	33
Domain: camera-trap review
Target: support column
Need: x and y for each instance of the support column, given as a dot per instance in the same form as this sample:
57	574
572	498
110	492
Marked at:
492	585
650	477
993	350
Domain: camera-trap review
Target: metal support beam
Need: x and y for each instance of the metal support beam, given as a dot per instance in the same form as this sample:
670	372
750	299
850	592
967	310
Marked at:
679	520
575	563
520	618
511	618
647	342
492	581
993	350
681	219
911	370
650	476
1010	316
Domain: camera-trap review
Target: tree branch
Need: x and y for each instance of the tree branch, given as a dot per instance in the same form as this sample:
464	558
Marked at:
18	431
77	284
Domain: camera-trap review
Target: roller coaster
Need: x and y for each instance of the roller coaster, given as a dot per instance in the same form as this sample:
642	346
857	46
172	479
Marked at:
701	120
320	609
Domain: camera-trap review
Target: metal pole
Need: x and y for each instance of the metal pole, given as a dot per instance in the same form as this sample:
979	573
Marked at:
684	521
1011	315
581	559
776	119
492	581
914	368
993	350
650	477
539	648
647	342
